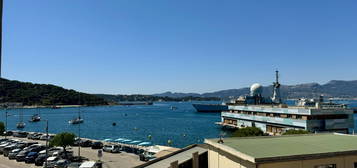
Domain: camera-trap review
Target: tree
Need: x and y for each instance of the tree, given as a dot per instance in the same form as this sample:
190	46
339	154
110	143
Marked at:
292	132
63	139
2	128
248	131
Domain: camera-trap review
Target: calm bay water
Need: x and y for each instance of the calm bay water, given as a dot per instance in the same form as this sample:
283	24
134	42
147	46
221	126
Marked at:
184	126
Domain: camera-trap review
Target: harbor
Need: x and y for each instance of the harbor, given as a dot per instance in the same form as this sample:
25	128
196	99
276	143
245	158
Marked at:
182	126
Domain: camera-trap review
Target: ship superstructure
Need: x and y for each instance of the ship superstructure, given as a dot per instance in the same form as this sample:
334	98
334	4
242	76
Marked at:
274	117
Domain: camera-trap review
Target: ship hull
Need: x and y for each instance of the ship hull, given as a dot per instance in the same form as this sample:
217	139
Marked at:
210	108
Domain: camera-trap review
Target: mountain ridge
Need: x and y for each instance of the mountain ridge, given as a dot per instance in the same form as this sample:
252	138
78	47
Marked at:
333	88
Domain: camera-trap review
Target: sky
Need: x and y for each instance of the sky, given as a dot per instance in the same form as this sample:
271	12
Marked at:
154	46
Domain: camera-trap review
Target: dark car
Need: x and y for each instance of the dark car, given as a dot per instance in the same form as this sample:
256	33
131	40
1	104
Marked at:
13	153
74	165
8	149
3	139
31	156
97	145
40	159
20	134
86	143
7	133
20	157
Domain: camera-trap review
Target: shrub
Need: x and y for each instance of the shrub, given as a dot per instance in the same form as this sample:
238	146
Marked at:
248	131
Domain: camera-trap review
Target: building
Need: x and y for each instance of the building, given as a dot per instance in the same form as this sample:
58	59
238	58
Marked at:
277	119
303	151
298	151
193	156
274	117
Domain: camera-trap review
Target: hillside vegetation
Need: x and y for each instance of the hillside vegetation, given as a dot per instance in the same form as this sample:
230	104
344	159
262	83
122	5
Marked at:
44	94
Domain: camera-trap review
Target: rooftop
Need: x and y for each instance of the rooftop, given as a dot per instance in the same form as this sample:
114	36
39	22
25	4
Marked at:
283	147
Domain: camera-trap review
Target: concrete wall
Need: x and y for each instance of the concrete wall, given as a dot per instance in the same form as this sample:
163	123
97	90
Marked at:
341	162
216	160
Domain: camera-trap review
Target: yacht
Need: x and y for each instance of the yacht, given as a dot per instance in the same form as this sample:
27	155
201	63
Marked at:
77	120
35	118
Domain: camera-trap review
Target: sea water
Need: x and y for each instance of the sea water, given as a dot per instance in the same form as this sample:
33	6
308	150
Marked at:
156	123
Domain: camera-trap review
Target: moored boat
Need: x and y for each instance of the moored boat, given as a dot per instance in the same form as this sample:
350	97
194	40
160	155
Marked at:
77	120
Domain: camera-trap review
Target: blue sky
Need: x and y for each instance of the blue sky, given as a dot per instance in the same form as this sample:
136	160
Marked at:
152	46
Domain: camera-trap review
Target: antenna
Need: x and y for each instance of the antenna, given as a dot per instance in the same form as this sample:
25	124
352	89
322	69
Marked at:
277	76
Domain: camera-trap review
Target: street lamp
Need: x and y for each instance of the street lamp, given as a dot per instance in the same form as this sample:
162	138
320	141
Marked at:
46	143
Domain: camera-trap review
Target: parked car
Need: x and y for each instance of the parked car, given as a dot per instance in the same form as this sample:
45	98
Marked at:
7	133
74	165
13	153
86	143
20	134
8	149
20	157
40	159
97	145
91	164
45	137
111	148
63	163
31	156
51	161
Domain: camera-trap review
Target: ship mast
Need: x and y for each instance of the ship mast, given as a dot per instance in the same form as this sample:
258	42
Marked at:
276	92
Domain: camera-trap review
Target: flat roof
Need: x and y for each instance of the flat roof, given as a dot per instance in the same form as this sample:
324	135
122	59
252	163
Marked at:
298	146
181	156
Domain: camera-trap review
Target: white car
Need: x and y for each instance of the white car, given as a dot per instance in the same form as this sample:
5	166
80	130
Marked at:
111	148
90	164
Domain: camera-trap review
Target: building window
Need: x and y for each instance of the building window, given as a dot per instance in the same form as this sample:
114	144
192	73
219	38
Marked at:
326	166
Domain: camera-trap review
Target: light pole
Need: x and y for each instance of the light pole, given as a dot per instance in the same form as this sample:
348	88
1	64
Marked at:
5	122
46	143
79	138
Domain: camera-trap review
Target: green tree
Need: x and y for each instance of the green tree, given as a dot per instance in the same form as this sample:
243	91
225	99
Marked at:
292	132
248	131
63	139
2	128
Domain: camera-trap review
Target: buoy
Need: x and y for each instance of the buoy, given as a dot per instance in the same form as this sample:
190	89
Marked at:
169	142
114	124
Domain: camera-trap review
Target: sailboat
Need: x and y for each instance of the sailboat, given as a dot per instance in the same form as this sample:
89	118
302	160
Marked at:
78	119
36	117
20	124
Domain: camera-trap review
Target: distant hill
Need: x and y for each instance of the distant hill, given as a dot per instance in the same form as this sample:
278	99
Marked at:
140	98
334	88
43	94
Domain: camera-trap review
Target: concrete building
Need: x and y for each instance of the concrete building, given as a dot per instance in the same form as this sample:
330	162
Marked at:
277	119
304	151
298	151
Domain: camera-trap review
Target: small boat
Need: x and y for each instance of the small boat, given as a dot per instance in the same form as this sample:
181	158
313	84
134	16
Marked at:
173	108
55	107
77	120
35	118
20	125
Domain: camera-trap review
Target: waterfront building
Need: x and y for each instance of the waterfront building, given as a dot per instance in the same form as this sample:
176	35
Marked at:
274	117
277	119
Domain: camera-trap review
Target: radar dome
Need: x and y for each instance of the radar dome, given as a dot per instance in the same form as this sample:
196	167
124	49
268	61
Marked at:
256	89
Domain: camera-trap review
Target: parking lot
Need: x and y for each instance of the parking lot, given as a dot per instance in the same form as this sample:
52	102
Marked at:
109	160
